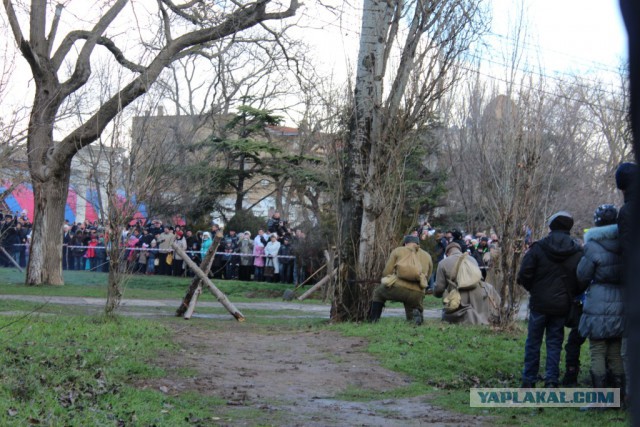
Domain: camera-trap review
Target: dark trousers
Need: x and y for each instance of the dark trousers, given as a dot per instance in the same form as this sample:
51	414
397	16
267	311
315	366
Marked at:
286	272
552	329
77	262
572	349
258	274
177	267
244	273
163	267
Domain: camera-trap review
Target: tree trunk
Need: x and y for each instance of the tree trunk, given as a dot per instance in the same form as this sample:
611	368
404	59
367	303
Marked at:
353	290
114	286
45	256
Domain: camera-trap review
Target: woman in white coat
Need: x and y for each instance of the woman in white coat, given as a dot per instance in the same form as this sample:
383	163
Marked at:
271	252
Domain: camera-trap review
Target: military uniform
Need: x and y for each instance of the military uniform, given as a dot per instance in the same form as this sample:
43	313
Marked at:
411	293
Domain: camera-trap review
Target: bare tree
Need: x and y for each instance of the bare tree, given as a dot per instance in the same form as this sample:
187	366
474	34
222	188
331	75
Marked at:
428	38
180	30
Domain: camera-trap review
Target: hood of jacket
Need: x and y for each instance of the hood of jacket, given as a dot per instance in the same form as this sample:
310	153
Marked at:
560	245
607	236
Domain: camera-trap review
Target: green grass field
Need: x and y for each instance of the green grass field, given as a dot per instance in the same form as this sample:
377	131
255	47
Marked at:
88	284
67	365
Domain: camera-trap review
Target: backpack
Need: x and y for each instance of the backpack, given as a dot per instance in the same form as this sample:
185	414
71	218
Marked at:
467	276
409	267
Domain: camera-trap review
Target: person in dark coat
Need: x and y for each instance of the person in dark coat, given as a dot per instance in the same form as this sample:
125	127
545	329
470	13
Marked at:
625	181
286	263
626	178
548	271
602	319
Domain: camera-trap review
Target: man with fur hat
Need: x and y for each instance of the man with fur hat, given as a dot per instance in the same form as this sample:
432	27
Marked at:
548	272
405	279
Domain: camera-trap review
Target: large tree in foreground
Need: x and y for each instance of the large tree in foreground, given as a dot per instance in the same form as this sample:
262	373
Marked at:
61	69
414	46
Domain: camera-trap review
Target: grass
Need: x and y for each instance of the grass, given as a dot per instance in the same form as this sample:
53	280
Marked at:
65	366
446	360
93	285
68	370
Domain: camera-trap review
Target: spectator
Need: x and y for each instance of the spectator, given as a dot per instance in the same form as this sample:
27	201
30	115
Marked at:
482	254
206	244
261	239
271	251
626	178
66	240
602	320
548	271
245	248
258	262
178	263
286	263
164	240
276	225
90	255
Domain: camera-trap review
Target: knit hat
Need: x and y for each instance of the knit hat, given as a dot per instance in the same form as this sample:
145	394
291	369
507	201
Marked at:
561	220
411	239
605	215
626	175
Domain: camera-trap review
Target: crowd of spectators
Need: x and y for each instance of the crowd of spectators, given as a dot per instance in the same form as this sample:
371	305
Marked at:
276	253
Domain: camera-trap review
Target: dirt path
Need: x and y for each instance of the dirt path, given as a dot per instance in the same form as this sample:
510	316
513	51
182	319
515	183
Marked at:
292	379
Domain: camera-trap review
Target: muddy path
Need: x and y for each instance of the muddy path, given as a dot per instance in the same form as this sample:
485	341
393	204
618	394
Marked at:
285	378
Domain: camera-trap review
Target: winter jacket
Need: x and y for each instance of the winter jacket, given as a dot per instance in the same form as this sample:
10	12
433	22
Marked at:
271	251
182	244
258	252
548	272
625	224
204	248
601	270
245	247
285	250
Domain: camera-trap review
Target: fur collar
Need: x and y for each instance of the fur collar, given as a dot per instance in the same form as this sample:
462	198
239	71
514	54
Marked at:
606	232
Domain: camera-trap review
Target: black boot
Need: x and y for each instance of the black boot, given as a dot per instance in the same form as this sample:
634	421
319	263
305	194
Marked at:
598	381
619	381
375	311
417	317
570	378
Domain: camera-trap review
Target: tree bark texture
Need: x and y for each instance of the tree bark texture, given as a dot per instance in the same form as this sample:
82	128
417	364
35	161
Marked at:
45	256
357	228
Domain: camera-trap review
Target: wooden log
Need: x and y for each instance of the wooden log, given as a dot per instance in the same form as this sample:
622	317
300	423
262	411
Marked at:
310	277
318	285
192	303
13	261
205	266
222	298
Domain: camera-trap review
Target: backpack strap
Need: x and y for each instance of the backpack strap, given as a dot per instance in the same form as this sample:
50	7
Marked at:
452	283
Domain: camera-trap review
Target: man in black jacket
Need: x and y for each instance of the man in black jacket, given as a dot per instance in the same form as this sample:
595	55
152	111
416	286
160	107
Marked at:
548	272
